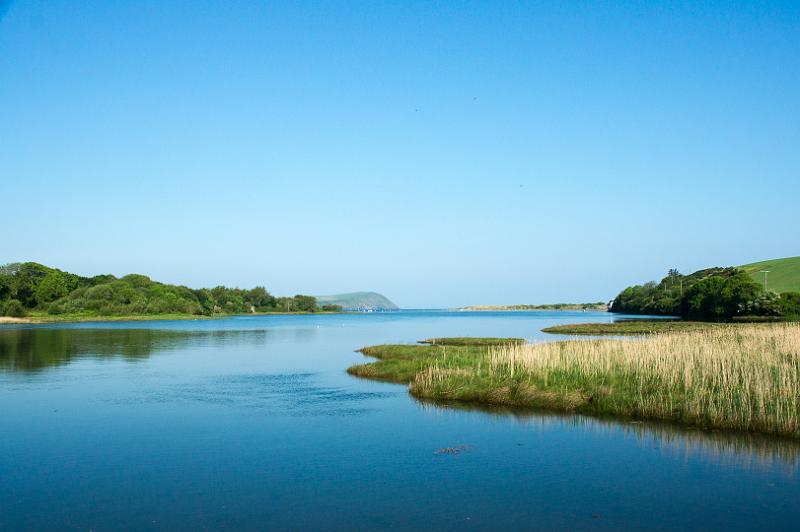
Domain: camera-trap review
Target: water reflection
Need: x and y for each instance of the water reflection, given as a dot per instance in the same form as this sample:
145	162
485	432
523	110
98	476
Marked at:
28	350
246	423
742	450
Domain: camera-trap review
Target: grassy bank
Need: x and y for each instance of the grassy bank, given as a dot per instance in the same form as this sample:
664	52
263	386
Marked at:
632	327
472	341
639	327
744	377
43	317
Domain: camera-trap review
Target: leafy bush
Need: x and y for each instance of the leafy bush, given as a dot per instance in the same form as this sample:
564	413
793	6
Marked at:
719	296
55	309
789	304
764	304
14	309
305	303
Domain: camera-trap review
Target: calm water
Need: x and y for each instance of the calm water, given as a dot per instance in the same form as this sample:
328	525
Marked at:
252	423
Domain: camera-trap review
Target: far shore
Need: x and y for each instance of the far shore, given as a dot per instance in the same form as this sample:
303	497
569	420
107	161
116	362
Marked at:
566	307
8	319
44	318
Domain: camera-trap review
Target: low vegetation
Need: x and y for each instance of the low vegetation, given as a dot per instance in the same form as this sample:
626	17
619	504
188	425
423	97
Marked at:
462	341
402	363
631	327
33	289
744	376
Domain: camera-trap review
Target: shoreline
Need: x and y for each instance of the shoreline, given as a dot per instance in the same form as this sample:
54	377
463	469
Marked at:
532	308
636	327
43	319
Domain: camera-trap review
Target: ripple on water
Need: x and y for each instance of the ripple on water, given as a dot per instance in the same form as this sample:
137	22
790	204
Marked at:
296	394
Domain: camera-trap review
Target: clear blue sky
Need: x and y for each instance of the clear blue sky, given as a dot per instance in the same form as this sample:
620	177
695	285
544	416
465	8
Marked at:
442	153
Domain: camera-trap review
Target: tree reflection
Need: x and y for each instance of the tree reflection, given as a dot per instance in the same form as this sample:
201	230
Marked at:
34	349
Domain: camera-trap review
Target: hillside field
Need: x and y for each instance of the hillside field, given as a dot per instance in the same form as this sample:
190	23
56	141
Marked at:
783	276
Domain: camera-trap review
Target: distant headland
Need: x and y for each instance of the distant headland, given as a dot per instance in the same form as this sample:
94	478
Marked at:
359	301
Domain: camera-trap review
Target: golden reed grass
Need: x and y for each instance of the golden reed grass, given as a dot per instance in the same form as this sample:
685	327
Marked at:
739	377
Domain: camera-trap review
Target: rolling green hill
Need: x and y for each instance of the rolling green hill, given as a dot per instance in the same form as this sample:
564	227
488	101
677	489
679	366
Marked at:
783	276
358	301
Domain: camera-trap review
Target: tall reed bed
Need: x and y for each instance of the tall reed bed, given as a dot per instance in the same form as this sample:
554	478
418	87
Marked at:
736	377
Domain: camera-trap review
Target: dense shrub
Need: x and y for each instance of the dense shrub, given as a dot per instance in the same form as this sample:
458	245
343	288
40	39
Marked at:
305	303
764	304
789	304
716	293
14	309
719	296
57	284
5	286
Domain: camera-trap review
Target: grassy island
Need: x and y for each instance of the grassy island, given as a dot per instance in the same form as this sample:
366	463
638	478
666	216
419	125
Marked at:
743	377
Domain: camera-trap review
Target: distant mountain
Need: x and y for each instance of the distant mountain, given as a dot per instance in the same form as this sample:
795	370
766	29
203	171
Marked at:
358	301
783	276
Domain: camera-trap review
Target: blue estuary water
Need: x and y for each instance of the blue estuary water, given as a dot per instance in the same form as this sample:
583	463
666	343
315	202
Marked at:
251	423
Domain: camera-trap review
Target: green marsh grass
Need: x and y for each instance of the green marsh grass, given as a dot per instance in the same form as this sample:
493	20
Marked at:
743	377
472	341
631	327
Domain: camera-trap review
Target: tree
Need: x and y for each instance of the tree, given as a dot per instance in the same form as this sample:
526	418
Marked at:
305	303
719	296
5	286
137	280
206	300
259	297
54	285
26	281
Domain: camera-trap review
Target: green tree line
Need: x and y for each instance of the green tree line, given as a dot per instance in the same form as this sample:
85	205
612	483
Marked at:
713	293
26	287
